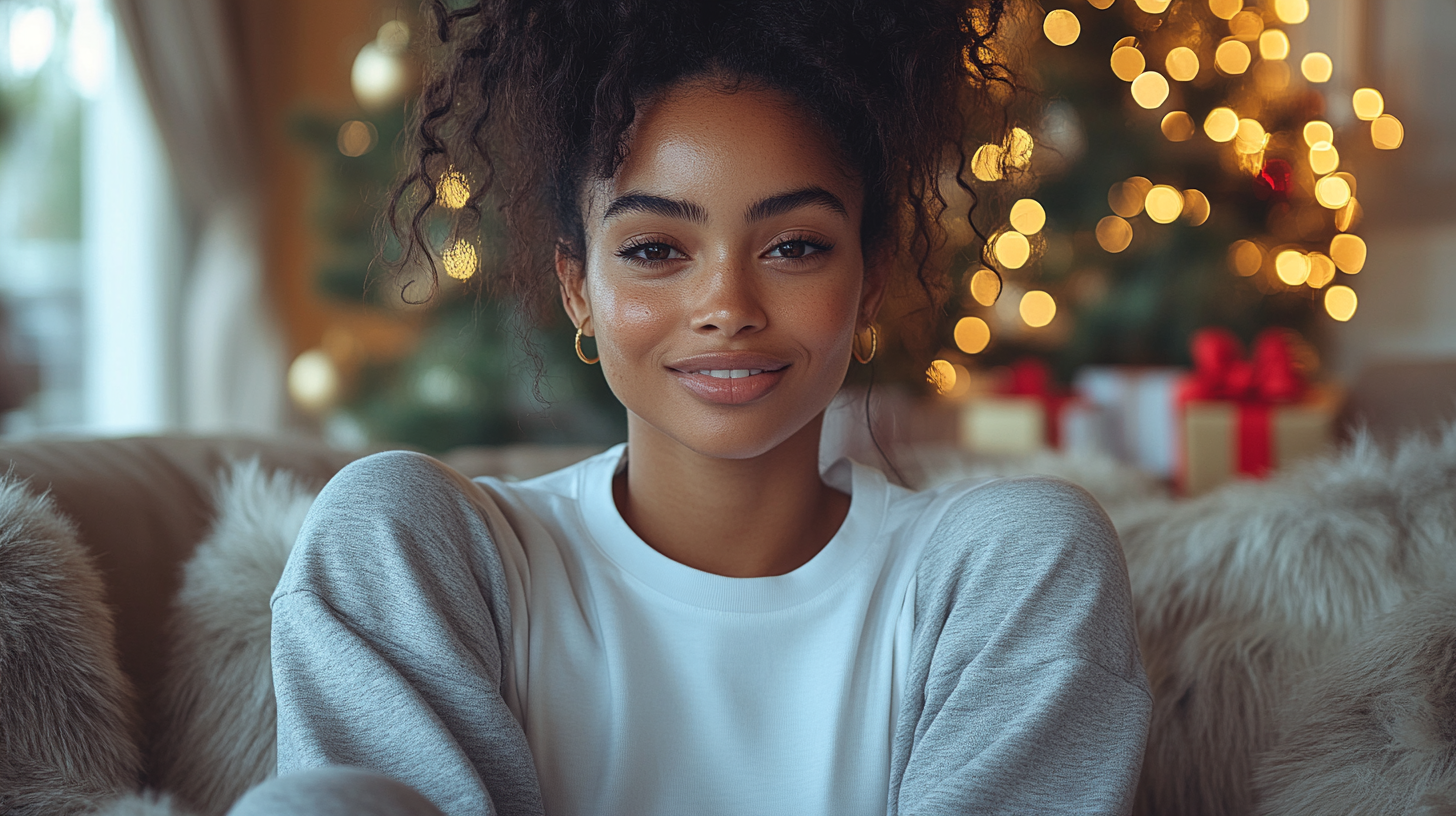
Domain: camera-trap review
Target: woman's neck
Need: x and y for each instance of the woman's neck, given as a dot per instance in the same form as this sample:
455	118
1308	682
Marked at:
743	518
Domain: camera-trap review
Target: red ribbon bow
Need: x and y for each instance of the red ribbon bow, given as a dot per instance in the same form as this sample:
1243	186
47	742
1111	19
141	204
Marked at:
1220	372
1030	377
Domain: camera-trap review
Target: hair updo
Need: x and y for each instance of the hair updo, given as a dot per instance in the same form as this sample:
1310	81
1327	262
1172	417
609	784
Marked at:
528	101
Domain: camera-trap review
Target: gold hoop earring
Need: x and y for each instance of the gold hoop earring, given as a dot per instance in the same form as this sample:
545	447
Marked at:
874	346
581	356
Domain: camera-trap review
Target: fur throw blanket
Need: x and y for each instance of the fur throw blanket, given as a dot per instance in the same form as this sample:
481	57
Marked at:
1299	634
67	712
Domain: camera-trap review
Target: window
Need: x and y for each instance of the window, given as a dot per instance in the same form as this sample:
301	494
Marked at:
87	229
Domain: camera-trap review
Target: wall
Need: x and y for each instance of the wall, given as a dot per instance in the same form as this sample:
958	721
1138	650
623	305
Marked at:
1407	290
305	49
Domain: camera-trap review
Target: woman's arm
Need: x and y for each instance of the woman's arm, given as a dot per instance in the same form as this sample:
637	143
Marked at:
1026	693
391	634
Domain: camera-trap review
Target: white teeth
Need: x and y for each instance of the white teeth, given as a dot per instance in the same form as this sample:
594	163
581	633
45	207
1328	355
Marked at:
731	374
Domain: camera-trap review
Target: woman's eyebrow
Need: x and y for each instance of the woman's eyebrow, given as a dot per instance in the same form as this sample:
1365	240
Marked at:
656	205
792	200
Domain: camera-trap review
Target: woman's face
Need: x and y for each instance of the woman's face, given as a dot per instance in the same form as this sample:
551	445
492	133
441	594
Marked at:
724	279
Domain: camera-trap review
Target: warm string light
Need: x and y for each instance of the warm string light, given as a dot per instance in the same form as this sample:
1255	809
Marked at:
1150	89
1027	216
990	162
942	376
1348	253
357	138
453	189
972	335
1011	249
1317	132
1225	9
1273	44
1292	267
1196	207
461	260
1317	67
1178	126
985	286
1128	63
1246	258
1247	25
1321	270
1062	27
1037	308
1340	302
1291	12
1182	64
1386	132
1368	104
1221	125
1164	204
1232	57
1114	233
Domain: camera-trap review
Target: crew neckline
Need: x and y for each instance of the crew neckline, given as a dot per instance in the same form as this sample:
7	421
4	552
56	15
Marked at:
862	525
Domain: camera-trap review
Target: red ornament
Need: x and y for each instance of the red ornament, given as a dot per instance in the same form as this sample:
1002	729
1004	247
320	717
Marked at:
1274	180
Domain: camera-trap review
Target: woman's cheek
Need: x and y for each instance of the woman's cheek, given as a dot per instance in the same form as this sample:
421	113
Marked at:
826	314
628	325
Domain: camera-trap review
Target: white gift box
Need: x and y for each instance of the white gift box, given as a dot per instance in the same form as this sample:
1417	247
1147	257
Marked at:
1140	423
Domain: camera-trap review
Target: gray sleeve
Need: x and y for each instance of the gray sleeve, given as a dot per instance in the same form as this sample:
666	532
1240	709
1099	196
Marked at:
1026	692
391	633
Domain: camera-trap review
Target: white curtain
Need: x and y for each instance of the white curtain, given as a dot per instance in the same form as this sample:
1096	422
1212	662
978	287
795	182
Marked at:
190	57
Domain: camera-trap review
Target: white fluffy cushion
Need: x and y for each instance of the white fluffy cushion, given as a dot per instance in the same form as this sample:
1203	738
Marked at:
217	735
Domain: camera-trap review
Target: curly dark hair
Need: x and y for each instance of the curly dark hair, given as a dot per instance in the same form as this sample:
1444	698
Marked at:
529	99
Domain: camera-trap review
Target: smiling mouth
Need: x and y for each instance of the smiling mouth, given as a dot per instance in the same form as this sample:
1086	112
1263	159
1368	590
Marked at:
730	374
730	386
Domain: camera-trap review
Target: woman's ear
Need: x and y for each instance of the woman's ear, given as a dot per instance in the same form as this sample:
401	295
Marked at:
569	274
876	283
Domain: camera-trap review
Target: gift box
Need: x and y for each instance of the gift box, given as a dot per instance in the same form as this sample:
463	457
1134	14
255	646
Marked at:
1139	413
1023	412
1244	418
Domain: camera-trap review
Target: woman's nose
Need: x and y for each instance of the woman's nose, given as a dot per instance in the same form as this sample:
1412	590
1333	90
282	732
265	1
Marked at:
730	300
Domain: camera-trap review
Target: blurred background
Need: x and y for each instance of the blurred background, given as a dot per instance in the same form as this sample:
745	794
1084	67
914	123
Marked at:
189	188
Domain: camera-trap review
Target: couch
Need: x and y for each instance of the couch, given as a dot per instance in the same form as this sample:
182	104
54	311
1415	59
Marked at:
1299	635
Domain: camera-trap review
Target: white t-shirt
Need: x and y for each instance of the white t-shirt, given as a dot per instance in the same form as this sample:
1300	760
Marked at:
648	687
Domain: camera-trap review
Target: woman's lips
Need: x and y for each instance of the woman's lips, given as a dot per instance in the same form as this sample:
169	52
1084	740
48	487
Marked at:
729	377
731	390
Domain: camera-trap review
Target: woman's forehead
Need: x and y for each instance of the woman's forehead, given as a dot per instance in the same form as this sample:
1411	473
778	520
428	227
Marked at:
727	150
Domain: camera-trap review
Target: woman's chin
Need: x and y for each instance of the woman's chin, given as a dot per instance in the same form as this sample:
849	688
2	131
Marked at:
739	433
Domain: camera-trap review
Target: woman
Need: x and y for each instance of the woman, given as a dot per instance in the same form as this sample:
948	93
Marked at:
700	621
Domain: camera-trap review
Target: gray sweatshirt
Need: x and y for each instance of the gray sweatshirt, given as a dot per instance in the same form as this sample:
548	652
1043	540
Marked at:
392	643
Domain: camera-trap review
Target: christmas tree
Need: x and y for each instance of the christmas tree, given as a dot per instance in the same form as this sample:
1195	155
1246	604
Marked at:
1175	168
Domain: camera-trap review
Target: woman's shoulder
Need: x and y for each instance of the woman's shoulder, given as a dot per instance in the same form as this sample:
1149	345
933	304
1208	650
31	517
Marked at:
1023	523
1033	567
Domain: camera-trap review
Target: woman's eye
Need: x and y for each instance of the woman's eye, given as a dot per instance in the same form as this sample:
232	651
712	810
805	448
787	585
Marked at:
653	252
796	249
